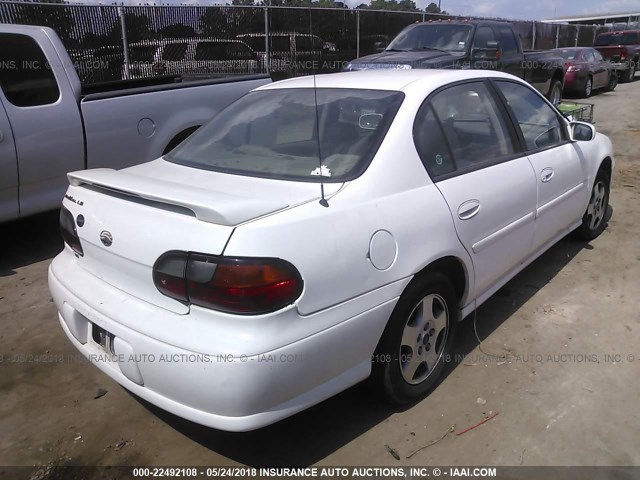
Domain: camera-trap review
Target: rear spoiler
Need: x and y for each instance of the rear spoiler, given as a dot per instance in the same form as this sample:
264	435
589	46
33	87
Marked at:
206	205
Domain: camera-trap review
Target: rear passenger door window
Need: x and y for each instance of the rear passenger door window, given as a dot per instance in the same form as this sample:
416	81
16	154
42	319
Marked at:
174	52
432	145
538	121
474	128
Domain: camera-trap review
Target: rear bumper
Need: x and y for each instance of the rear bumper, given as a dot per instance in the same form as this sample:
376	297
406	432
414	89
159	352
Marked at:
228	392
620	66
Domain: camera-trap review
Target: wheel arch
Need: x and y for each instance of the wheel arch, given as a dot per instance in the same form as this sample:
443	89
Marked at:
606	166
454	269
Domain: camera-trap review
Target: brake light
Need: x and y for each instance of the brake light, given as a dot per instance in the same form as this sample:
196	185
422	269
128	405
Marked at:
574	68
69	232
241	285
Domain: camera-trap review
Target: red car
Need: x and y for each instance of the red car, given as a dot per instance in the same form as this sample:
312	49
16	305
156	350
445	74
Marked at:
586	70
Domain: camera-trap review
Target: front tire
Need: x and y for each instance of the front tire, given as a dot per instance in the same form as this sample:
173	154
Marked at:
417	340
613	81
555	92
630	74
594	220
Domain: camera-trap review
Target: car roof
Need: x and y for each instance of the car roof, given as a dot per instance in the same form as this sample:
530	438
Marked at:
393	80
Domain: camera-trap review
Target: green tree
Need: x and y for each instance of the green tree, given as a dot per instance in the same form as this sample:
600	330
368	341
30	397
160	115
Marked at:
434	8
402	5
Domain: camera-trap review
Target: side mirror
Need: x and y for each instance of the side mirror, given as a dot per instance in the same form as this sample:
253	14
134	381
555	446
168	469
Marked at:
581	132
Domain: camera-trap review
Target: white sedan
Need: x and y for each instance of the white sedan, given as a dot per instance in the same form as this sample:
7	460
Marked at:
319	232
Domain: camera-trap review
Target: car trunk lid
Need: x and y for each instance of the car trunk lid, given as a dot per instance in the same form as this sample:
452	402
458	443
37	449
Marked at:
133	216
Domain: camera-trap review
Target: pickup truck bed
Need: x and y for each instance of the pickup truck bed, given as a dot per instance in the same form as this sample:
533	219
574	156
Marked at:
50	124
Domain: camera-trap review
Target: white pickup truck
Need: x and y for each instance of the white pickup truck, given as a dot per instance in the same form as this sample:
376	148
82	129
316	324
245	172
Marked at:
50	124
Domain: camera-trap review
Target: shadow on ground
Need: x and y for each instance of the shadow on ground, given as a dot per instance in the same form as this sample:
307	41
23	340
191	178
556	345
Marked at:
312	435
29	240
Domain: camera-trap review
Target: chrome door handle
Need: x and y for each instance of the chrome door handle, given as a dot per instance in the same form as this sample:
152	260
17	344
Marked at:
468	209
546	175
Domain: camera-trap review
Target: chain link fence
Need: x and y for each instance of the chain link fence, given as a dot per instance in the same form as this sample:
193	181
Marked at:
109	42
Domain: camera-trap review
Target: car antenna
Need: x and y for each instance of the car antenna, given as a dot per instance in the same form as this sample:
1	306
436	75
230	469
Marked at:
323	200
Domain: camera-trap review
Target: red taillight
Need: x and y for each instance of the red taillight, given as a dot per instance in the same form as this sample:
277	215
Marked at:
247	286
69	232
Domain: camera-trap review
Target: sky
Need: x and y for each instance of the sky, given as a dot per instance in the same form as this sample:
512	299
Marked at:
536	9
513	9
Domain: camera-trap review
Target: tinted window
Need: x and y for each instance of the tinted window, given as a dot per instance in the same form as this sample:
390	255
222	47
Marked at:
483	36
431	144
441	37
283	134
174	52
507	40
25	75
597	56
143	54
474	127
280	44
538	121
223	51
588	56
255	42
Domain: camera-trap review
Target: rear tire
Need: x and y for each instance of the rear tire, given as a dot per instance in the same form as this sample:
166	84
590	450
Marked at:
555	92
417	341
594	220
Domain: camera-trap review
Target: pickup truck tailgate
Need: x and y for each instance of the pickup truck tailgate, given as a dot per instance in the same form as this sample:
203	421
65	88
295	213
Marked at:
133	216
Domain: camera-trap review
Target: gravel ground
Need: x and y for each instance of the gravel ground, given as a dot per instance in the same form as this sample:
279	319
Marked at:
566	395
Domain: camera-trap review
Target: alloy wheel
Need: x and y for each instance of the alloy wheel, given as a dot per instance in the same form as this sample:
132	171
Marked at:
597	205
423	339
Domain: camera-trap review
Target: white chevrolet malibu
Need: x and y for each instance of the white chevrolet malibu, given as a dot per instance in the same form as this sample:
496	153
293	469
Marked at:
319	232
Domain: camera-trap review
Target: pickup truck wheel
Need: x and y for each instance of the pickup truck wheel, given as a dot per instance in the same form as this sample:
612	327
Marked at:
613	81
594	220
630	74
413	349
588	88
555	92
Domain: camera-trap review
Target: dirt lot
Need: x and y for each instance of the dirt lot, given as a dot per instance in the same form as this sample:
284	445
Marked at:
560	399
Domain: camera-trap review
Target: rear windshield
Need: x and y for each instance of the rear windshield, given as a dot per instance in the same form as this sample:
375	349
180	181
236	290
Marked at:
630	38
451	38
274	134
568	54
